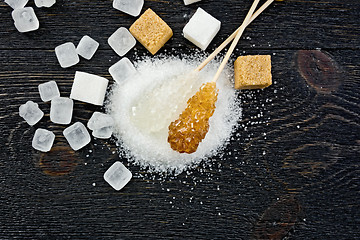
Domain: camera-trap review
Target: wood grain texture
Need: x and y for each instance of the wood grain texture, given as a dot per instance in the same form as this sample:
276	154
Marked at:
290	171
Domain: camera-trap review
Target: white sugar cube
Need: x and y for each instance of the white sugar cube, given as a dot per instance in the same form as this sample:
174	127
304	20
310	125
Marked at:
77	136
89	88
44	3
61	110
87	47
66	55
16	3
31	112
48	91
201	29
117	176
43	140
25	19
131	7
101	124
122	70
121	41
187	2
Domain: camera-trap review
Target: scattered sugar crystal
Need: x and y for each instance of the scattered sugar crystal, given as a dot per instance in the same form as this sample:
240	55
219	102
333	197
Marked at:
25	19
77	136
156	106
87	47
121	41
15	4
61	110
31	112
201	29
117	176
121	70
187	2
44	3
43	140
48	91
89	88
151	96
66	55
101	124
131	7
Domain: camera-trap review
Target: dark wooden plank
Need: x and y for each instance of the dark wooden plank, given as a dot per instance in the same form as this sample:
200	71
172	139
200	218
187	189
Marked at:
296	159
293	24
291	169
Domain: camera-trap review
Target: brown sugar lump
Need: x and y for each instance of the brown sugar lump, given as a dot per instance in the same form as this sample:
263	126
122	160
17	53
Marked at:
151	31
253	72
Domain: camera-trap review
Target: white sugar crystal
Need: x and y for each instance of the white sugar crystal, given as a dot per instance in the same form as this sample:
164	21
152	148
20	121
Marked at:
61	110
117	176
121	41
121	70
201	29
25	19
160	106
16	3
87	47
44	3
43	140
161	85
66	55
48	91
187	2
89	88
101	124
103	133
77	136
131	7
31	112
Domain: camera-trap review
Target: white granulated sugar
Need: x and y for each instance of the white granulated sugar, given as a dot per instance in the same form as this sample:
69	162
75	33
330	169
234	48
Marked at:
144	106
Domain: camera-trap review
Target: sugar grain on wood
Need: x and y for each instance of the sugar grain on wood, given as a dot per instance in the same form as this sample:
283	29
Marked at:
144	105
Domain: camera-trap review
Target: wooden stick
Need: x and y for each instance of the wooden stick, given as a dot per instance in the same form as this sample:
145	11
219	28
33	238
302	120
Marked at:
232	36
236	40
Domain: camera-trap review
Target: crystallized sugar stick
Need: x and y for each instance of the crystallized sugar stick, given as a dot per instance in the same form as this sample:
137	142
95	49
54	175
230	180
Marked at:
186	133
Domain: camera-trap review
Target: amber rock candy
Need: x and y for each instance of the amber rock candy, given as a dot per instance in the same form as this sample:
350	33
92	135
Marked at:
186	133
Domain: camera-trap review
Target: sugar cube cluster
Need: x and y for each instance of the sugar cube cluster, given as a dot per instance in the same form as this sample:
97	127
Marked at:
68	55
61	111
149	29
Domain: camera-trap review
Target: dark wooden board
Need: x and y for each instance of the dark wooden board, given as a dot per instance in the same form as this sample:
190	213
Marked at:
290	171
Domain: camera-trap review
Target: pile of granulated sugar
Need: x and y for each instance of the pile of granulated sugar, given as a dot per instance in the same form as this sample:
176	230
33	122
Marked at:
144	105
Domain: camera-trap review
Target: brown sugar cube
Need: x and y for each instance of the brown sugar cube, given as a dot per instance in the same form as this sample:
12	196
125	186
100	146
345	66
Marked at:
253	72
151	31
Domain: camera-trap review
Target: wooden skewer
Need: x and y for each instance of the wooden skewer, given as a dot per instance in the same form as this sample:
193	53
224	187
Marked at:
236	40
232	36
